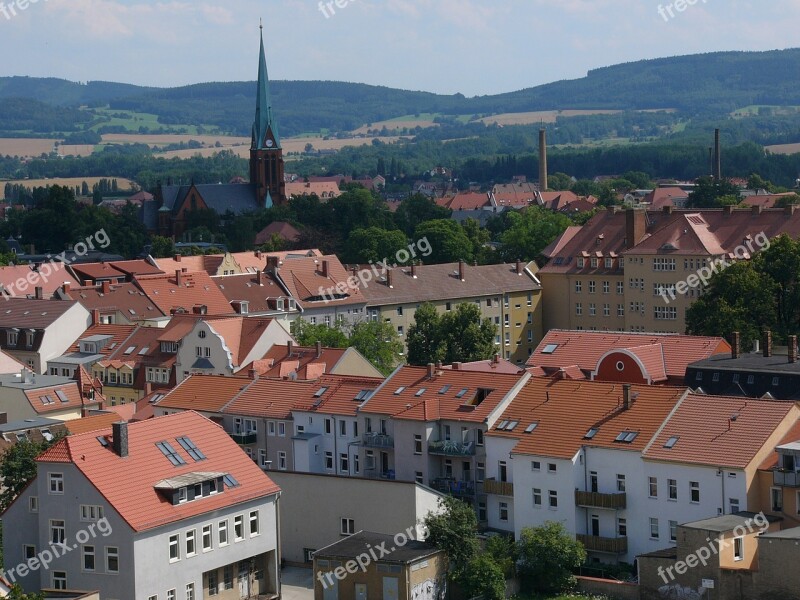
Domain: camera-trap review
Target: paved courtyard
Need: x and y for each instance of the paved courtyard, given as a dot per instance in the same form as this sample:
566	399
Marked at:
296	584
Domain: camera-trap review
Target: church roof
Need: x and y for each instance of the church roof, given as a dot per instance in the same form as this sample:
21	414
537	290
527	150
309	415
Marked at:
264	121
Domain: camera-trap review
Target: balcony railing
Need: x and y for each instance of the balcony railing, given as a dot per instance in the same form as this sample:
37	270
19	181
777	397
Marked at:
461	489
598	500
785	477
602	544
377	440
499	488
452	448
244	439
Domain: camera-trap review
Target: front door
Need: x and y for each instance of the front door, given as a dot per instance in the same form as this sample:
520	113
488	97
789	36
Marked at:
244	579
361	591
384	462
390	588
330	591
595	526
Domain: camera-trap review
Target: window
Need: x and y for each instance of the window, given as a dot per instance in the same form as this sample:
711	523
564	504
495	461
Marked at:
174	550
87	560
57	531
672	489
207	538
33	504
282	429
344	463
592	287
343	428
419	477
227	577
282	460
653	528
620	483
673	531
776	496
91	512
578	287
238	528
112	559
417	444
254	527
329	461
171	454
171	594
191	546
504	511
734	504
665	313
348	526
694	486
56	481
553	498
620	287
59	580
328	426
622	527
190	591
551	467
212	582
194	451
738	548
28	551
653	487
537	498
578	309
606	287
222	532
271	428
536	465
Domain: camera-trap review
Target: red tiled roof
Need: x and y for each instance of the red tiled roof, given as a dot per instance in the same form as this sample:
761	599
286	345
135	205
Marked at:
92	423
118	333
277	362
204	393
53	402
270	398
195	288
282	229
466	201
666	196
136	267
95	271
498	365
123	297
260	297
585	348
303	279
793	435
450	394
708	435
11	274
565	411
257	260
128	484
340	395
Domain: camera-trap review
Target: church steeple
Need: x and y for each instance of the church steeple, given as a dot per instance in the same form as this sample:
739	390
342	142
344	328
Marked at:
265	129
266	155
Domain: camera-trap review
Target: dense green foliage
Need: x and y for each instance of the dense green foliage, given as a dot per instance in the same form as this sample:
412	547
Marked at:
547	557
18	467
453	530
458	335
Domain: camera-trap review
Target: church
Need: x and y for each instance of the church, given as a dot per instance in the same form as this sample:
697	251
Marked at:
166	213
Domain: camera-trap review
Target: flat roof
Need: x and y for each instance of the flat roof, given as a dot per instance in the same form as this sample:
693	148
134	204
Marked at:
37	380
32	423
784	534
724	523
360	542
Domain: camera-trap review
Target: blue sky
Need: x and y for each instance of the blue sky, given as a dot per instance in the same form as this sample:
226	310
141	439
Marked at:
474	47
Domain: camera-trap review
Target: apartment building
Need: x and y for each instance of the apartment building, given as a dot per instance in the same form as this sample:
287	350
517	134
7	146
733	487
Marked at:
118	303
428	425
28	395
510	296
615	272
93	345
309	362
163	508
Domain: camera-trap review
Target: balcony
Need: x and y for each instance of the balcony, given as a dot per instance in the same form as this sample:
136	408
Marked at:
452	448
605	545
598	500
377	440
785	477
244	439
498	488
459	489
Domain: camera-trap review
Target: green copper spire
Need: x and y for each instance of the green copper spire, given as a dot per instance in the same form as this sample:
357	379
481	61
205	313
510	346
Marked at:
265	129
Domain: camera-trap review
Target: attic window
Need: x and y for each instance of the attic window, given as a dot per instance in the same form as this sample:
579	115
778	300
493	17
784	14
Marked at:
171	454
62	396
444	389
190	448
549	349
420	391
363	395
399	390
320	391
461	392
103	441
531	427
480	396
503	424
144	351
129	350
626	437
671	442
511	425
230	481
46	399
591	433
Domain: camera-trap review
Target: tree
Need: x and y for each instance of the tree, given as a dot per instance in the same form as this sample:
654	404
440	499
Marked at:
373	245
466	337
547	556
424	341
503	551
307	334
709	191
417	209
483	577
447	239
453	530
378	342
17	593
530	231
559	182
479	238
17	468
161	247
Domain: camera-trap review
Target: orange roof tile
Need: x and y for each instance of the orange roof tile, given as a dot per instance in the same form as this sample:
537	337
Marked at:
128	483
270	398
205	393
123	297
341	396
496	365
277	362
304	280
52	400
11	274
118	333
195	288
708	435
92	423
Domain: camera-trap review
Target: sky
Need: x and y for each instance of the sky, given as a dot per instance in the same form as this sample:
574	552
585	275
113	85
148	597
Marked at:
473	47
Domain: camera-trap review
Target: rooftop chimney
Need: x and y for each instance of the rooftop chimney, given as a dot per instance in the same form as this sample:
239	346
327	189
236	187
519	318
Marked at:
177	258
120	438
258	253
95	316
106	287
289	348
542	160
626	396
324	268
767	343
413	270
319	348
66	287
272	262
668	209
431	370
727	209
251	373
496	358
736	344
789	209
792	348
462	267
39	292
519	267
199	309
389	278
178	278
717	156
456	366
756	210
635	226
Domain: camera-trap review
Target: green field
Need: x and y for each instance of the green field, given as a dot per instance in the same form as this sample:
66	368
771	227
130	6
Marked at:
755	110
132	121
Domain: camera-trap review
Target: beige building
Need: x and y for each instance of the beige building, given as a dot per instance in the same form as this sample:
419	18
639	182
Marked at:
640	270
509	295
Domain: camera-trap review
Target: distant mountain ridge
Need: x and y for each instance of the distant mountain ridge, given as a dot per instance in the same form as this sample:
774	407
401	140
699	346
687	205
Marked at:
711	84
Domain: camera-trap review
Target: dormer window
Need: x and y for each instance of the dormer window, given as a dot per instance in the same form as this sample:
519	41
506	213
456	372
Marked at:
29	338
12	337
594	263
192	487
169	347
581	262
609	263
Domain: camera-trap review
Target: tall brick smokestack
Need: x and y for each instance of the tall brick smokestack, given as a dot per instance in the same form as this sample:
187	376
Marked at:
542	160
717	156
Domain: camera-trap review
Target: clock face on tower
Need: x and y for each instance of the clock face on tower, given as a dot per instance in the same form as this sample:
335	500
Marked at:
269	143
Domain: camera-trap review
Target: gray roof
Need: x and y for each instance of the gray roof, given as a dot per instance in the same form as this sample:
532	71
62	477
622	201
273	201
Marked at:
751	362
785	534
37	381
32	423
359	543
236	197
76	358
728	522
29	313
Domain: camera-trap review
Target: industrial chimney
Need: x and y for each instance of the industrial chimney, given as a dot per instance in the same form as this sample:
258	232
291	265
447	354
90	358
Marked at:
717	156
542	160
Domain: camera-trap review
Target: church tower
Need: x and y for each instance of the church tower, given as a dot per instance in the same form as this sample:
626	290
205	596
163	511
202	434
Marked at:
266	154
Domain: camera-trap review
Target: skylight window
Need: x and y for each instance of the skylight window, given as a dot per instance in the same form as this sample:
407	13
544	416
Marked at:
626	437
103	441
671	442
190	448
62	396
511	425
230	481
591	433
171	454
144	351
461	392
502	424
444	389
399	390
46	399
549	349
363	395
420	391
129	350
531	427
320	391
